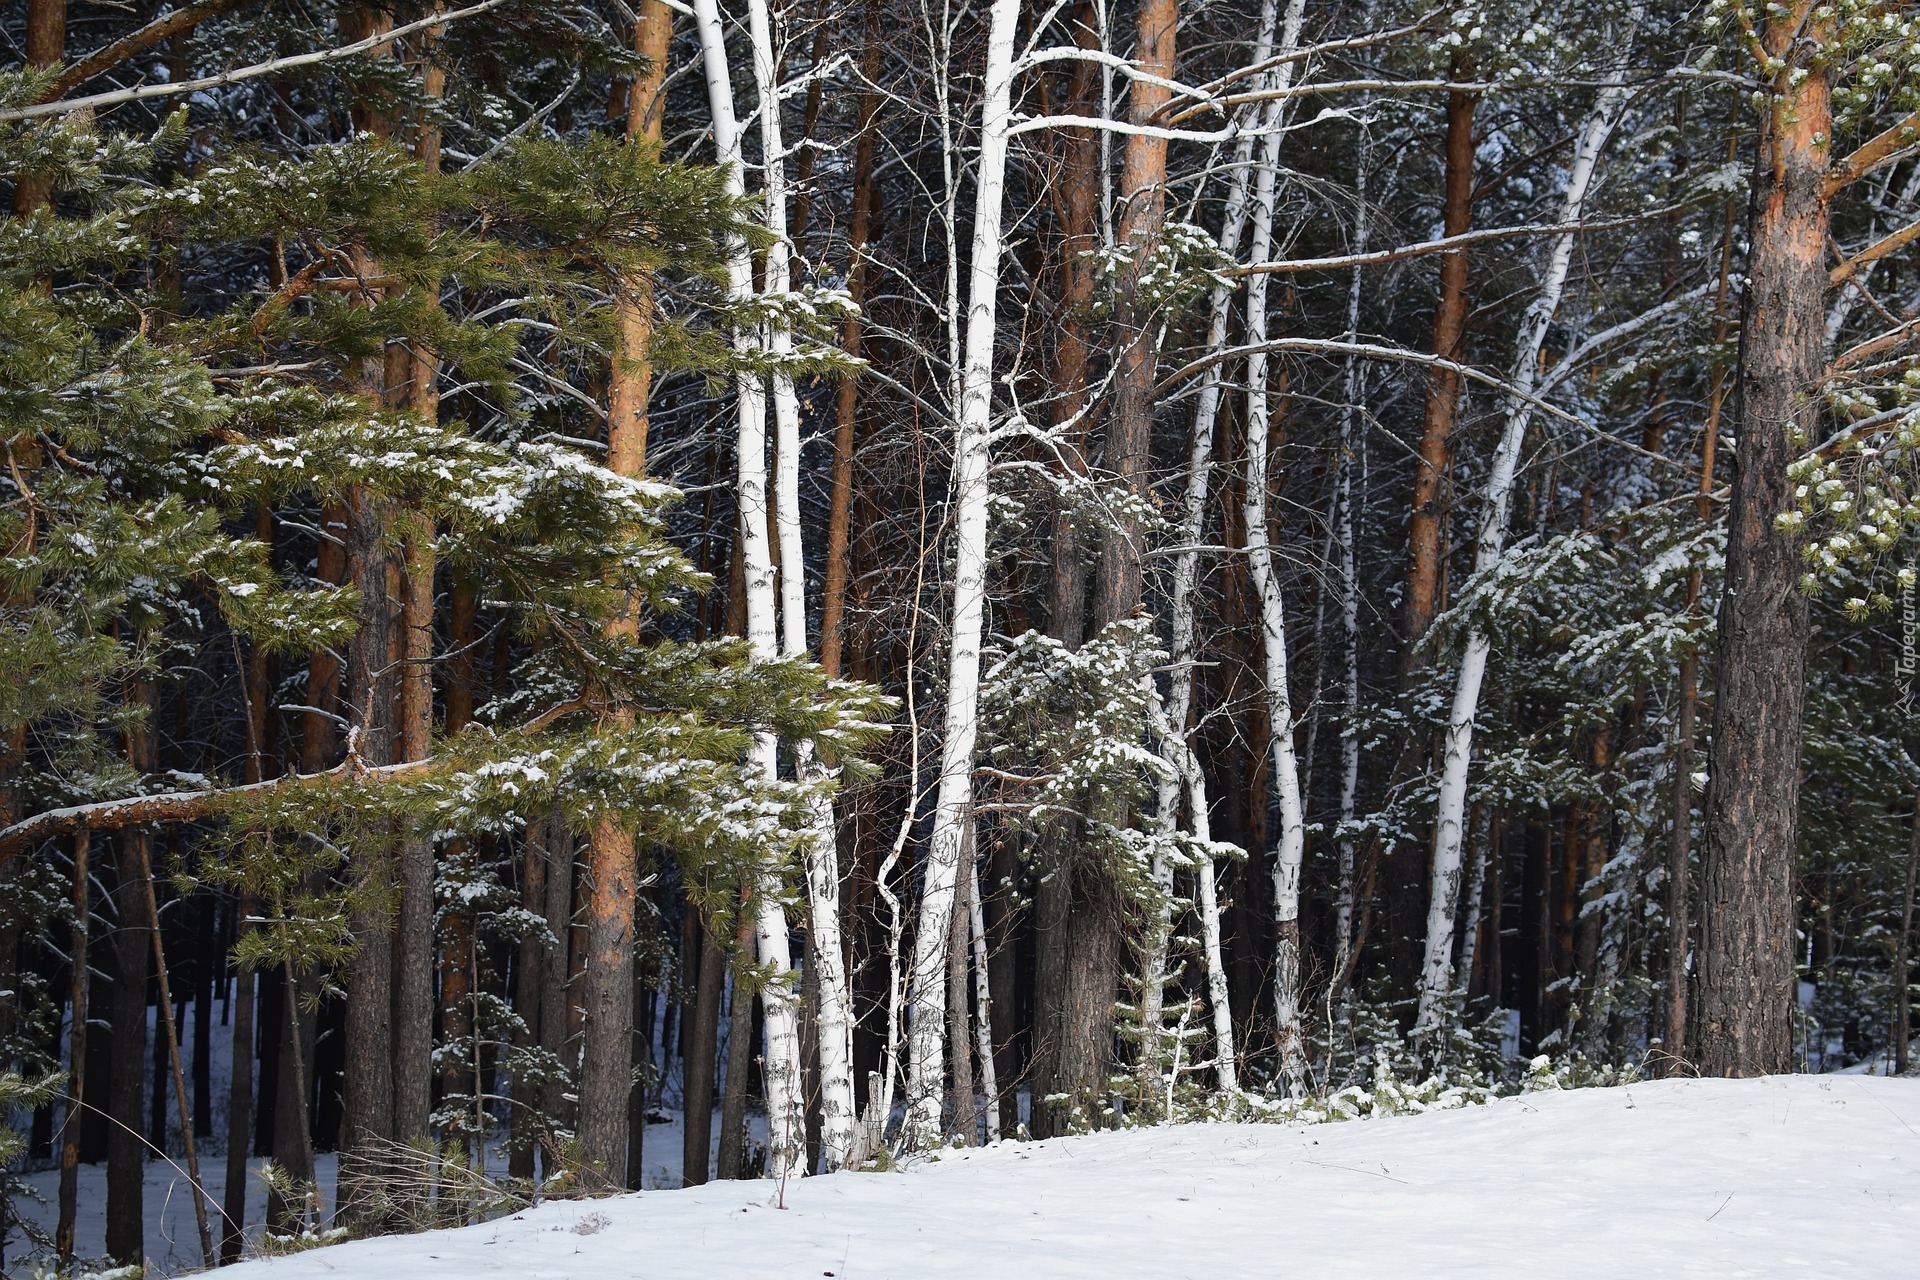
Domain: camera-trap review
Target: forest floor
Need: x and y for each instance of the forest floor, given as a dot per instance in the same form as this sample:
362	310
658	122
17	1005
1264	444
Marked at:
1797	1175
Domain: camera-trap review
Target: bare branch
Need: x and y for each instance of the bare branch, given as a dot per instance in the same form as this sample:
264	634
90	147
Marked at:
1448	244
1874	252
127	46
1875	153
96	101
1377	351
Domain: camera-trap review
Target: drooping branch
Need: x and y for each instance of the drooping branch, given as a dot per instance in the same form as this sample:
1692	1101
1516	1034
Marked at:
196	805
134	43
192	806
97	101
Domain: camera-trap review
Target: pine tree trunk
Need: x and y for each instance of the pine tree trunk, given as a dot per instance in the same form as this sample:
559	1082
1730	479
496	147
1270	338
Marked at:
417	386
606	1054
1743	997
696	1068
1426	530
1143	180
369	1042
413	963
833	594
1076	196
46	46
1076	193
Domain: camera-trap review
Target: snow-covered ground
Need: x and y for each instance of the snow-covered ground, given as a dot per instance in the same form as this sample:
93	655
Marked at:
173	1242
1801	1175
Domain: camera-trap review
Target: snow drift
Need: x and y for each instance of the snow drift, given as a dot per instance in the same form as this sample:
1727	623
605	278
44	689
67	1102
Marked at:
1783	1176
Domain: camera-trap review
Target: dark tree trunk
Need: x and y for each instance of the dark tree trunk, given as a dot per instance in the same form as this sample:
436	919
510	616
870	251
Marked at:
206	955
126	1151
697	1068
1742	1015
554	1012
157	1094
606	1062
966	1118
640	1065
1426	529
529	972
413	953
369	1043
1076	196
76	1048
1003	971
46	44
239	1104
733	1099
1078	918
1903	950
292	1146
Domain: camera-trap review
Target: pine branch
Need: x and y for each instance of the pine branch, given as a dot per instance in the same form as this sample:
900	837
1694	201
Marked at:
192	806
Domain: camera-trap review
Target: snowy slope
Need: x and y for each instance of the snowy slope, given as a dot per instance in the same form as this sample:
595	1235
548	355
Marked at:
1804	1175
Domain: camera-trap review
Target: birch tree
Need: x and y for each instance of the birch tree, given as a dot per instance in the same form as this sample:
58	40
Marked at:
953	805
1449	833
1290	849
833	1015
1184	772
786	1111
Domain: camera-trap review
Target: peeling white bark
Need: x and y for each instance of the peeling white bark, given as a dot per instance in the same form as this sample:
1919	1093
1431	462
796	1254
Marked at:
1449	828
786	1115
834	1013
953	809
1290	849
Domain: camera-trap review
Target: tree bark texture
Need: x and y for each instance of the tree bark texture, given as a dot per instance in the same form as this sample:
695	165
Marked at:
1742	1015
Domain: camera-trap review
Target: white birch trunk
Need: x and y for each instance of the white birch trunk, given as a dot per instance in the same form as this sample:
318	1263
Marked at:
1476	893
1436	980
1347	522
1175	746
1291	846
983	1004
786	1117
834	1013
927	981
